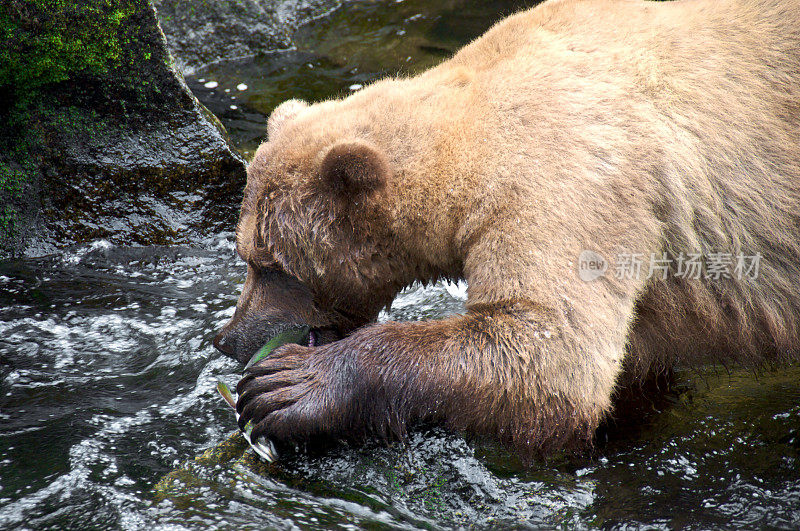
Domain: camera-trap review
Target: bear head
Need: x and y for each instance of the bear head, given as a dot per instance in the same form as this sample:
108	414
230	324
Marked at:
315	232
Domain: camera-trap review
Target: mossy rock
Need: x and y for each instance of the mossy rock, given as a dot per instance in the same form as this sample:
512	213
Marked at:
103	139
727	426
180	484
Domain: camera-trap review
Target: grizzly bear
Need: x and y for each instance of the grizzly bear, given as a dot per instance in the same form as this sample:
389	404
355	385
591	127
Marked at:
571	165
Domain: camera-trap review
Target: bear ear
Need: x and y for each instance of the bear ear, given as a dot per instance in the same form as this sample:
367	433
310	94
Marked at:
283	113
354	166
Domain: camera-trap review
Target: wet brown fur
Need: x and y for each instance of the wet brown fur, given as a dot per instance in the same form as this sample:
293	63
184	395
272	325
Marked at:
610	126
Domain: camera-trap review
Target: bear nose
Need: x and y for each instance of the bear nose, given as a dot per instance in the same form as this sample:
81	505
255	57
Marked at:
224	344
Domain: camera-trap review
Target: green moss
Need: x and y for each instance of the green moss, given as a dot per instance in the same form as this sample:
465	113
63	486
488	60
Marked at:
49	41
11	191
45	45
405	482
18	170
11	180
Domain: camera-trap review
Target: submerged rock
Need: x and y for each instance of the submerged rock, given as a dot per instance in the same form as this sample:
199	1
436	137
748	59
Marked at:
102	138
727	446
200	33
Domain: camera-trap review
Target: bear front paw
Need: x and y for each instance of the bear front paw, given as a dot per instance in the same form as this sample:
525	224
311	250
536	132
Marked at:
294	394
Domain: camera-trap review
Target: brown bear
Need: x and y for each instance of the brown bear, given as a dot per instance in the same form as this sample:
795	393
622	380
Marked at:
576	136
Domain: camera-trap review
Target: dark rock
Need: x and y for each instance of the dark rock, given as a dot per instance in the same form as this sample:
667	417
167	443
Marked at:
200	33
101	138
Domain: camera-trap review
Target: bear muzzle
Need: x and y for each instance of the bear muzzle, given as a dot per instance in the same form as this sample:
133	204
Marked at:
272	302
241	341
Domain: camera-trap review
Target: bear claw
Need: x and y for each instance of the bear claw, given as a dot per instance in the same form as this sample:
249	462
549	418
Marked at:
274	385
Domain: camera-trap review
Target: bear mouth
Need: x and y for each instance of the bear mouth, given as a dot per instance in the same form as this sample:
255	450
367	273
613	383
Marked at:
312	338
302	335
322	336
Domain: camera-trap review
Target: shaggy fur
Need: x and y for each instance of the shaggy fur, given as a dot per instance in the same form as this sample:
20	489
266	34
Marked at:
610	126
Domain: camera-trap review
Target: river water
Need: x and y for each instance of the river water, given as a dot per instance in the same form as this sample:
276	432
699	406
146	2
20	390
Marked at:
107	376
